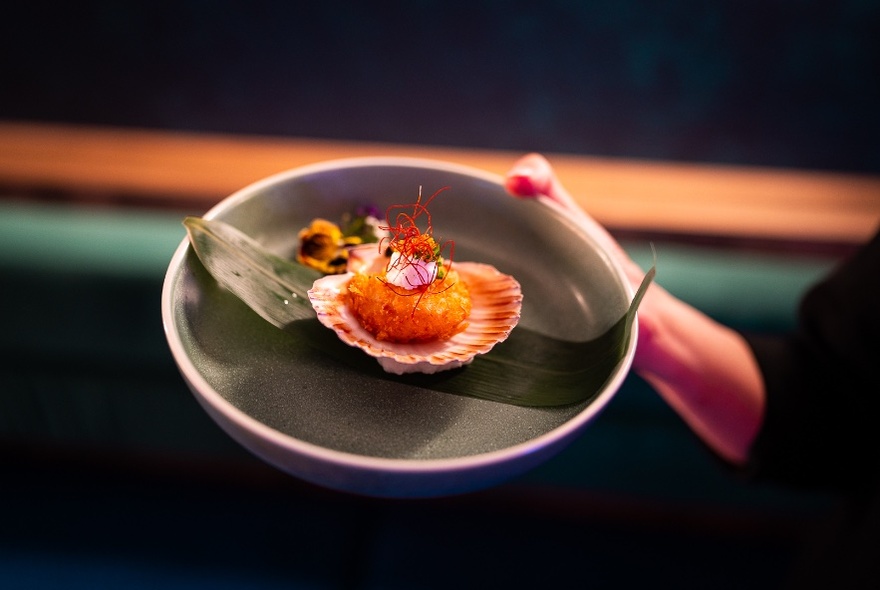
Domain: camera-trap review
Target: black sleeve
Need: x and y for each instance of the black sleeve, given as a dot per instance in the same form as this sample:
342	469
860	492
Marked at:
822	421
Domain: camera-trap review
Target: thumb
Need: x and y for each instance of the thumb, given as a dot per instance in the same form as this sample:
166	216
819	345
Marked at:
530	176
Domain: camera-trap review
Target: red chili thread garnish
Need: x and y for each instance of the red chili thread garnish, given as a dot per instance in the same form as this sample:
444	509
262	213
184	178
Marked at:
414	244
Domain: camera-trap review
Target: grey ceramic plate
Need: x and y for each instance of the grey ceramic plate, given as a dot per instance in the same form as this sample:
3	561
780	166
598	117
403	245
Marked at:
321	420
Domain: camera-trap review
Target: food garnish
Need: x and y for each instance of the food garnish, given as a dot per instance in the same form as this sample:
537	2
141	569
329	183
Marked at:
324	246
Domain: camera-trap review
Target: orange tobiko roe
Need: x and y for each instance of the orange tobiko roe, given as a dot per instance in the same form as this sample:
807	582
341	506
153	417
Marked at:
392	314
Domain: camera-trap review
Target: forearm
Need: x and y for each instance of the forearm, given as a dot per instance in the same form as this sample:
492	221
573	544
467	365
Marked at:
705	371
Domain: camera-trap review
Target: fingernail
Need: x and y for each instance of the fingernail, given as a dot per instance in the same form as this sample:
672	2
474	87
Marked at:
520	185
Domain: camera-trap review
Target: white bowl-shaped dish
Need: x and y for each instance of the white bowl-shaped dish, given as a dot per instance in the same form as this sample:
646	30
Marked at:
328	423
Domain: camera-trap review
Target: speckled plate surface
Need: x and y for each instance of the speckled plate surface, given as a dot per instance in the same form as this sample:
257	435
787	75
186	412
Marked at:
322	420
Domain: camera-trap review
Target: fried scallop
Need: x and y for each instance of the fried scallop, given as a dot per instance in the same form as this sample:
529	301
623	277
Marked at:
466	314
394	314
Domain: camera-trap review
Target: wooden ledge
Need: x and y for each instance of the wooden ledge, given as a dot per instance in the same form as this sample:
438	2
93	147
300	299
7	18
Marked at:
194	171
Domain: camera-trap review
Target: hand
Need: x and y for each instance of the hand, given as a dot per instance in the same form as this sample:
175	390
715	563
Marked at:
532	176
705	371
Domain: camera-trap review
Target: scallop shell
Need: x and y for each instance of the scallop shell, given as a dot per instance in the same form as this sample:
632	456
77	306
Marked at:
496	302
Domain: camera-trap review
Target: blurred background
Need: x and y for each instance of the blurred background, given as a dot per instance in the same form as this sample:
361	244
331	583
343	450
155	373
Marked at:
112	476
748	82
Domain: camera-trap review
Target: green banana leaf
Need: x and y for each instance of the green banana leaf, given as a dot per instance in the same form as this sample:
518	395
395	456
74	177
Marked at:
527	369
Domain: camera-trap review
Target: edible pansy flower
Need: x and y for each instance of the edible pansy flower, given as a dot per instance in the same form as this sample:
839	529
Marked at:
322	246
